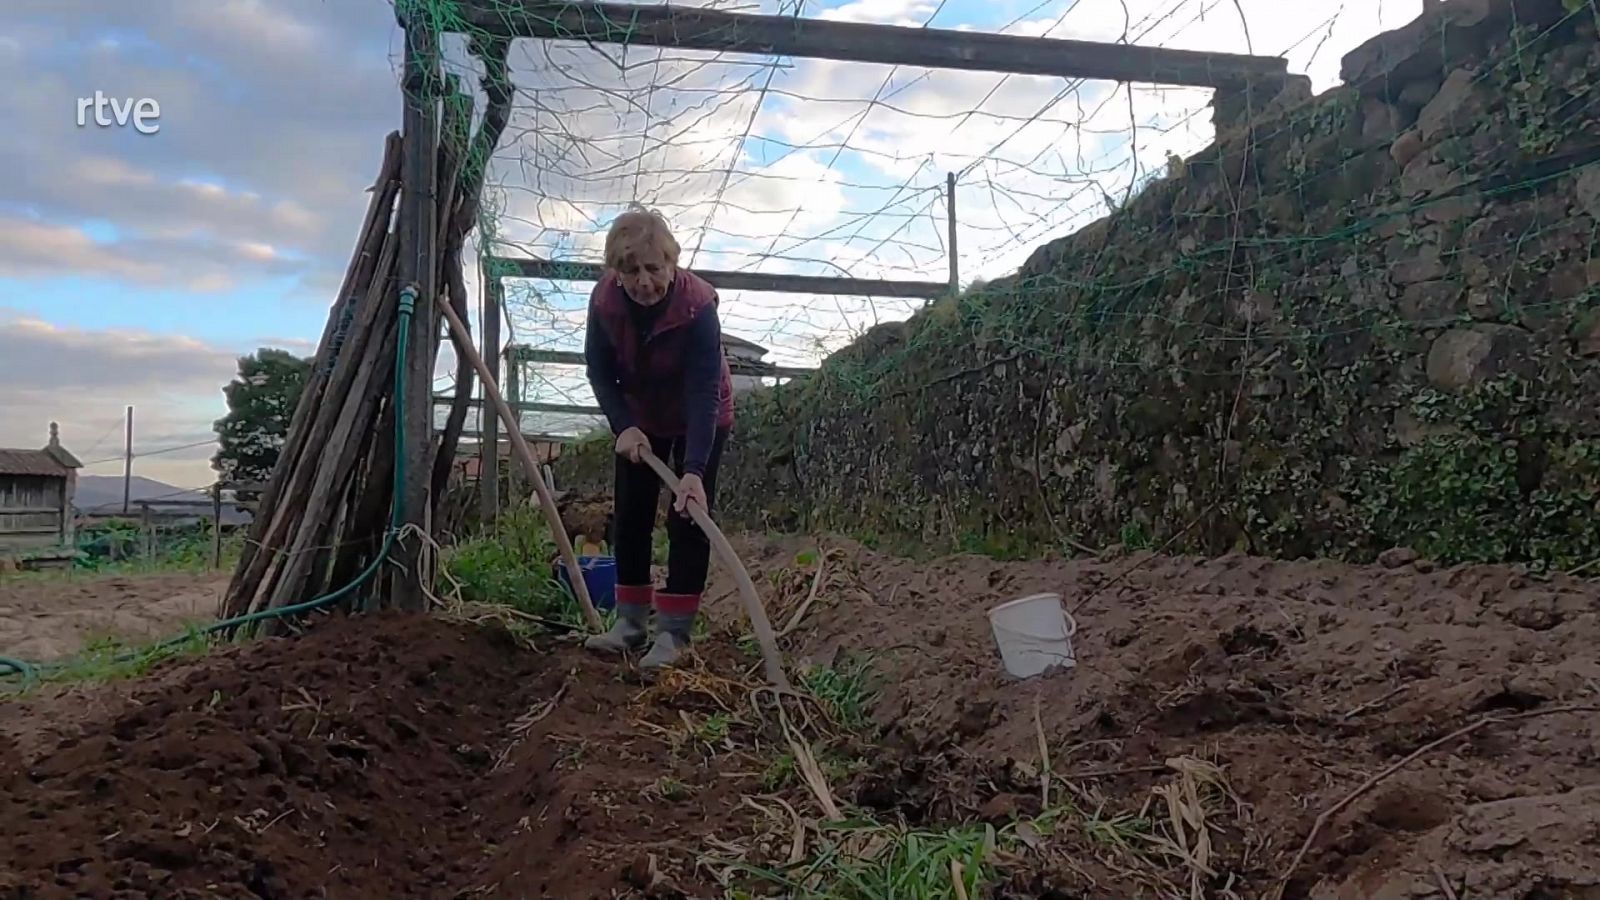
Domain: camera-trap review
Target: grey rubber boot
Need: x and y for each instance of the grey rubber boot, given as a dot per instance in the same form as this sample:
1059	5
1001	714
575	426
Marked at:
672	638
629	632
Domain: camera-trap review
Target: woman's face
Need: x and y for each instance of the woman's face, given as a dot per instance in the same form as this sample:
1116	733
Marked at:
646	275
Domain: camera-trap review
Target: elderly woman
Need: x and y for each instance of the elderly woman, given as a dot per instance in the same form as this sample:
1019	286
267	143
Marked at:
655	361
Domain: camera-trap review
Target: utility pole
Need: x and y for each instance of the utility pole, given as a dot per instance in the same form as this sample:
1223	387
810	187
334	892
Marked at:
127	464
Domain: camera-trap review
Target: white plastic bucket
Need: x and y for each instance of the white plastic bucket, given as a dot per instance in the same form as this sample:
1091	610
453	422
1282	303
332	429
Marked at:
1033	634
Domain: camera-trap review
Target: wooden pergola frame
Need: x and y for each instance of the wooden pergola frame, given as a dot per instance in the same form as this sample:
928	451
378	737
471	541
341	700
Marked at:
690	28
516	355
741	33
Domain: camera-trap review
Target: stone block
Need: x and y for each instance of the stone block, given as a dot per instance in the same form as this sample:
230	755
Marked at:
1379	120
1405	148
1586	333
1233	108
1423	177
1422	265
1431	301
1415	95
1484	304
1454	110
1466	357
1586	193
1453	209
1445	33
1566	281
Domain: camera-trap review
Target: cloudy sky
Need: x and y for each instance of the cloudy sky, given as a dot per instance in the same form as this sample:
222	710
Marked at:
136	268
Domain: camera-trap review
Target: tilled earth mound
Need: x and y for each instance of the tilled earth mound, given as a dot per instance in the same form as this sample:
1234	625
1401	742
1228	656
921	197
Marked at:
1434	730
390	756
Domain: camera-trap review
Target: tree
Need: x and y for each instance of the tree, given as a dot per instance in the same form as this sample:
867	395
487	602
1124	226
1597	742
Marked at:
261	402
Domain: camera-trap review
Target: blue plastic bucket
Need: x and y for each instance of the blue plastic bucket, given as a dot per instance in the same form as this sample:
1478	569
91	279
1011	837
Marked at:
599	576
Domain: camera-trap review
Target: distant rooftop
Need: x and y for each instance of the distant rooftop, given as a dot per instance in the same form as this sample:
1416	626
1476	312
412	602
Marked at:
733	341
52	462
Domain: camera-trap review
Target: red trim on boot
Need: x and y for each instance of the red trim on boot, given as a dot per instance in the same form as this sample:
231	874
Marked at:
677	604
635	594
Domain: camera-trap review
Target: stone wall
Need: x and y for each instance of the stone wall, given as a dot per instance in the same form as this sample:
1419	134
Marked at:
1362	320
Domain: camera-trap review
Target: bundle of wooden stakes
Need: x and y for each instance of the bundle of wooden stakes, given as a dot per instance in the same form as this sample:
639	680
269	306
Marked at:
325	513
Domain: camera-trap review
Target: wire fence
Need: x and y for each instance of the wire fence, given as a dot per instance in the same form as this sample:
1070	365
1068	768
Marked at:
164	543
1287	332
791	166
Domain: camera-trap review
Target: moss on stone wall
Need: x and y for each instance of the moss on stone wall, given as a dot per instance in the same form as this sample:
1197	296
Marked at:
1371	319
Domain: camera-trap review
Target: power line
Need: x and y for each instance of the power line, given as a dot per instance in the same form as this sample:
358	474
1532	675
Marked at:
102	439
160	452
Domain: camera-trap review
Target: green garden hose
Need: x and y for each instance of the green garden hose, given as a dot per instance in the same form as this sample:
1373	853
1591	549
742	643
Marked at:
10	667
30	672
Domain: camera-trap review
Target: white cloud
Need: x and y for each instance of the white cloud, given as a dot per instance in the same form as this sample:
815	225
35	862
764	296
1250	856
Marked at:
257	251
195	263
1037	157
85	379
268	143
31	250
265	25
106	172
882	12
272	120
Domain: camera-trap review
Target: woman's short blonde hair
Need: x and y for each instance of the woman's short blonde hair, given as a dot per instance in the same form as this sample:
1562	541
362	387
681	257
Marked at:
635	234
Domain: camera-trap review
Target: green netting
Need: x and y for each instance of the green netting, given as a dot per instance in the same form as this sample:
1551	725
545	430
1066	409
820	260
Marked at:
703	138
1368	319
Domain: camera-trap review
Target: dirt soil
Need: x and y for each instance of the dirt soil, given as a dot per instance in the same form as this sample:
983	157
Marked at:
394	756
404	756
46	618
1302	681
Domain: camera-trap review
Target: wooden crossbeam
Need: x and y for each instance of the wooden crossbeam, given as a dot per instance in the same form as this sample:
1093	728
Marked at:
554	408
731	281
735	366
468	434
938	48
175	504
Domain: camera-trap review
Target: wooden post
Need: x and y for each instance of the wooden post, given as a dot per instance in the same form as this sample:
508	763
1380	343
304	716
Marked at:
488	422
950	213
216	525
147	525
127	464
513	395
513	391
417	222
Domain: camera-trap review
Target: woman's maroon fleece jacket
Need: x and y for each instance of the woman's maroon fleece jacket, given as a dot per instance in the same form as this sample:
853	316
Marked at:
661	369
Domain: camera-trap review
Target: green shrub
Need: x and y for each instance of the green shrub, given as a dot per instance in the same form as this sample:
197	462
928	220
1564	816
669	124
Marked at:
513	565
118	545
